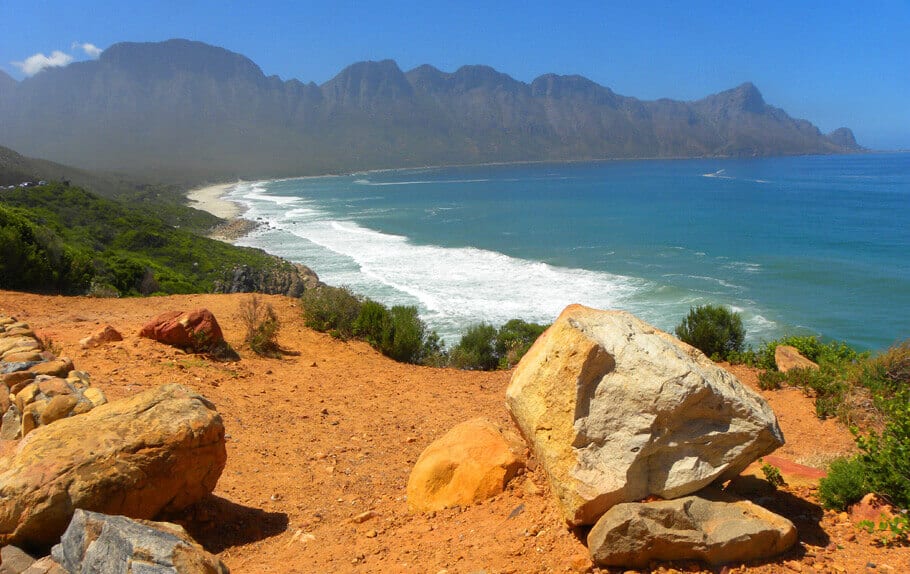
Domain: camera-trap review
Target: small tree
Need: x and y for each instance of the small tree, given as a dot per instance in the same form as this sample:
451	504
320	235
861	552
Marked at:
714	330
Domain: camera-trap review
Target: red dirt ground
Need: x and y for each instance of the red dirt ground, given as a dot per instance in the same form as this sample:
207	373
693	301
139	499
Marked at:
317	438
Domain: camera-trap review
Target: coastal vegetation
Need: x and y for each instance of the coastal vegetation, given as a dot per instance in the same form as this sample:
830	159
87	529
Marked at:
869	393
399	332
714	330
262	325
61	238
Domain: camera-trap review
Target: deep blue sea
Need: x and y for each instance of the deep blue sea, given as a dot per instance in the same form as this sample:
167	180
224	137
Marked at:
797	245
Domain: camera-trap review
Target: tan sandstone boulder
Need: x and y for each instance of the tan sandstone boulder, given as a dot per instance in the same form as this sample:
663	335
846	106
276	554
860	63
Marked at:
106	334
470	463
787	358
160	450
616	411
690	528
197	329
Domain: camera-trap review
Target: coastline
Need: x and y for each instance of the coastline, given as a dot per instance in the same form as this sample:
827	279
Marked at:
211	199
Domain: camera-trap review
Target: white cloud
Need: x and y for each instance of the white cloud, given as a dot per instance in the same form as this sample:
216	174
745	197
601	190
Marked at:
91	50
34	64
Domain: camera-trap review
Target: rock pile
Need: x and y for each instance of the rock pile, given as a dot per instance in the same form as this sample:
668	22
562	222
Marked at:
616	412
159	451
37	388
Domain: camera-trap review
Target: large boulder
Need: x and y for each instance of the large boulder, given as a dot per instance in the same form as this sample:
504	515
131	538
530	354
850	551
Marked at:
691	528
161	450
617	411
197	329
100	543
470	463
788	358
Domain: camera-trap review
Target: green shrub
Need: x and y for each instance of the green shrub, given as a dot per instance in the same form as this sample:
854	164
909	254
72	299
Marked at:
262	325
331	310
476	350
398	333
771	380
772	474
886	456
844	485
514	339
714	330
403	338
372	322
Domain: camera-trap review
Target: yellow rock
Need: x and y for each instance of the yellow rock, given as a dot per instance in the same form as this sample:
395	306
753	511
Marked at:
26	396
57	408
470	463
95	395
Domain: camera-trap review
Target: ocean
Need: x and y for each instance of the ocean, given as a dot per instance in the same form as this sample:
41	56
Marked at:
798	245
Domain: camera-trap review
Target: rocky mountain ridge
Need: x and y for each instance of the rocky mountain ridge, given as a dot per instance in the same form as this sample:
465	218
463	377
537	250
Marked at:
184	107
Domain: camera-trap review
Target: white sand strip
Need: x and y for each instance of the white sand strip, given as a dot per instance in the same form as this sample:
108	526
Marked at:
210	199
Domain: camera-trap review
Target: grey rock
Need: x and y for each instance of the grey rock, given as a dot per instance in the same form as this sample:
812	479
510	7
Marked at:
716	530
16	367
617	410
99	544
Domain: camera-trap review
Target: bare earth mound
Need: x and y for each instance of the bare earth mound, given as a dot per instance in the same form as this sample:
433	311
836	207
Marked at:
320	446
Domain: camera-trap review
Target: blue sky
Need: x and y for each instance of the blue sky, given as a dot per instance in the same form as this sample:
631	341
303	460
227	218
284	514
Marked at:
834	63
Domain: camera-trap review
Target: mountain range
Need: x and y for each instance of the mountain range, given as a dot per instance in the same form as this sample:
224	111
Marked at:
184	110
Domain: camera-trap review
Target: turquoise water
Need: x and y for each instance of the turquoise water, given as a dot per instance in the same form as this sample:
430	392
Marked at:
806	245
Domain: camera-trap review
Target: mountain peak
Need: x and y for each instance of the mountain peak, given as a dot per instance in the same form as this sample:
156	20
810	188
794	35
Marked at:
162	59
364	81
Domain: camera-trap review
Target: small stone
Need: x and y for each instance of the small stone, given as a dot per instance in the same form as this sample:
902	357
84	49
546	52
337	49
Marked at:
370	534
363	517
95	395
11	425
57	408
793	565
55	386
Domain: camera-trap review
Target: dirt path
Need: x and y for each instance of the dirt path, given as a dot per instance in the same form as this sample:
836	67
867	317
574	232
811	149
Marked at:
319	438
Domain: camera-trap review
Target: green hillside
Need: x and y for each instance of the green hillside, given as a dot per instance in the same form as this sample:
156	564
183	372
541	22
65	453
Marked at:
61	238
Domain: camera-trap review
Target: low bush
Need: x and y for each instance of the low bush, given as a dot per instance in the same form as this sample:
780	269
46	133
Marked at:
844	485
484	347
514	339
404	335
262	325
476	350
713	329
332	310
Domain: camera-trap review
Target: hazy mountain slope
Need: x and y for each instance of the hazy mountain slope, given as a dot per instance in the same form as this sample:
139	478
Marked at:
183	110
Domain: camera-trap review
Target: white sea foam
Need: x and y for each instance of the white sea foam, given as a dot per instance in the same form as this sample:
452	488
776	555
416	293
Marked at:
455	287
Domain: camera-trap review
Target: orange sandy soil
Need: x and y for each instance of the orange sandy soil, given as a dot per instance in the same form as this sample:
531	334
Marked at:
318	438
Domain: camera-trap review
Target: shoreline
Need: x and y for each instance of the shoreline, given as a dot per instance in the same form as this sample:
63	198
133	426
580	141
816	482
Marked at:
211	200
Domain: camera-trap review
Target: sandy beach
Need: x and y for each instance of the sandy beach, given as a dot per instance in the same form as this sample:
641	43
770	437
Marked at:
209	199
